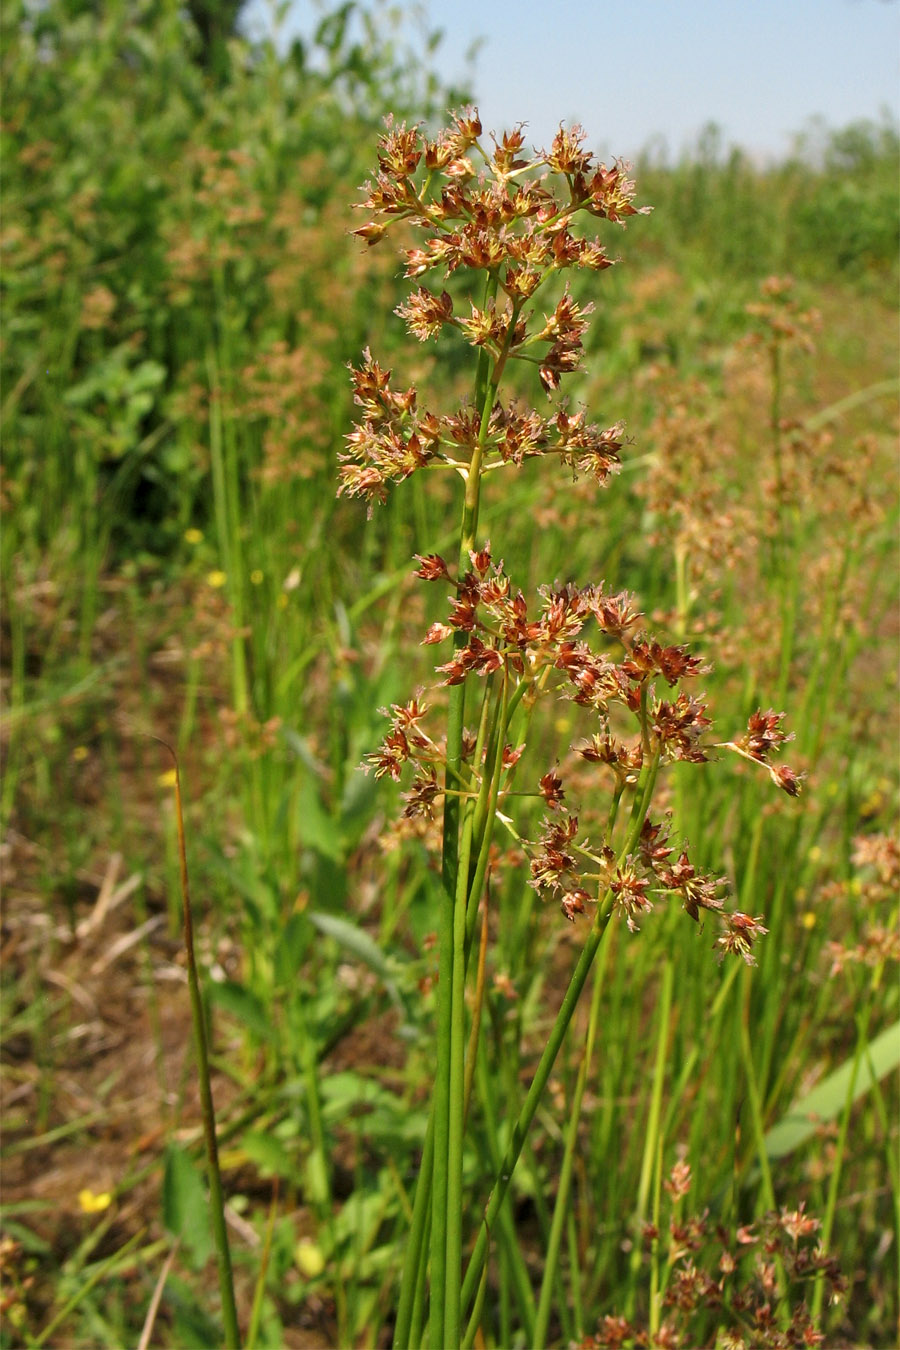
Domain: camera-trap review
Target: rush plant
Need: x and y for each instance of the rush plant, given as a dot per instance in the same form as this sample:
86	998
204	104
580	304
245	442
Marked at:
491	228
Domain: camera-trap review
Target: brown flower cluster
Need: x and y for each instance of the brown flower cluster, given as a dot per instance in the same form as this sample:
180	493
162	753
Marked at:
729	1278
779	317
763	736
394	439
513	219
872	895
496	633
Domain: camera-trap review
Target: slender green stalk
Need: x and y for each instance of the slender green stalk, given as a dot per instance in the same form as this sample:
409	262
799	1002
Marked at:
532	1100
449	1094
216	1193
655	1141
756	1114
519	1277
834	1183
414	1256
260	1286
652	1134
99	1274
605	910
561	1206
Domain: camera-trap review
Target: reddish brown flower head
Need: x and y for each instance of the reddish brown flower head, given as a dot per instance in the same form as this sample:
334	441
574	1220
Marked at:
425	314
553	862
696	890
481	558
566	155
648	657
437	633
573	902
624	760
630	891
551	788
476	656
784	777
798	1224
615	614
433	567
596	680
764	734
741	931
505	157
679	726
678	1183
654	847
371	232
399	150
420	799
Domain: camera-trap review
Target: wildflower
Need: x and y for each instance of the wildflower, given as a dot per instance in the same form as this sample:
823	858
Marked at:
678	1183
422	795
309	1258
425	314
697	891
624	760
630	891
437	633
91	1203
573	902
764	735
552	789
552	863
678	727
432	567
798	1224
783	776
741	931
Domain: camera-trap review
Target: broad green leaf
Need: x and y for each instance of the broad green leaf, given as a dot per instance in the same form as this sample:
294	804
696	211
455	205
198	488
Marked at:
316	1178
242	1004
185	1209
827	1099
363	947
193	1328
269	1155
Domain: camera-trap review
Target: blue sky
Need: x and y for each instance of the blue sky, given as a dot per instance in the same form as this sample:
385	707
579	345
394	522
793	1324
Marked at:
643	69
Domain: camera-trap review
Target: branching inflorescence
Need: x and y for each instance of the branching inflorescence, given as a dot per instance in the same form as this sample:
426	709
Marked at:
511	224
515	222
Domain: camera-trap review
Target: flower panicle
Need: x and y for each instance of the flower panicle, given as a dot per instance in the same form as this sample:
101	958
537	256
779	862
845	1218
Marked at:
512	217
765	735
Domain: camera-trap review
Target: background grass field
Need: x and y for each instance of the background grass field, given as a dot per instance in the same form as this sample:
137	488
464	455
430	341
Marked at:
181	302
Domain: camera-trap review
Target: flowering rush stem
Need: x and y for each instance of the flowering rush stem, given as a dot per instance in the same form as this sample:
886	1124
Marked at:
509	225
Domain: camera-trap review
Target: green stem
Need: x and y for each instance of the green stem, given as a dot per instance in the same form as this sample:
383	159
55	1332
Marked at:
535	1092
414	1256
567	1008
561	1206
654	1140
834	1185
449	1091
216	1193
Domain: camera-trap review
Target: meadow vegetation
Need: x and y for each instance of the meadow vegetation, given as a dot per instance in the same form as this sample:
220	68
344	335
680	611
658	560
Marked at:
182	298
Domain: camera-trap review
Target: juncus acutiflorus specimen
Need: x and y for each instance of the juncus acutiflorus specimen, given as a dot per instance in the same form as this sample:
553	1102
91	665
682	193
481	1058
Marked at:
504	226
